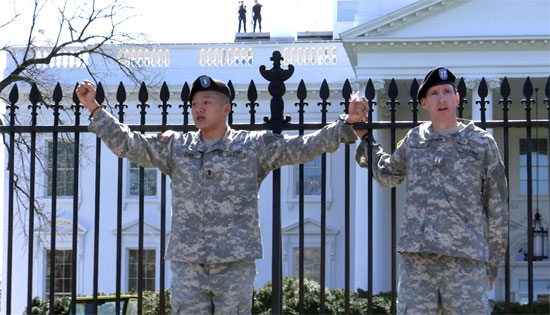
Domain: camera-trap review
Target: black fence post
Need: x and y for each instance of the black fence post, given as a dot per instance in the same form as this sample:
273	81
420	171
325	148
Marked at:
505	101
392	93
370	94
346	95
13	98
276	77
302	94
34	97
100	98
121	98
528	92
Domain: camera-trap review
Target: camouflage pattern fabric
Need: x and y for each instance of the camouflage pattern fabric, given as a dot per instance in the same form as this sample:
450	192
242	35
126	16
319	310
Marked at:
212	289
432	283
456	192
215	190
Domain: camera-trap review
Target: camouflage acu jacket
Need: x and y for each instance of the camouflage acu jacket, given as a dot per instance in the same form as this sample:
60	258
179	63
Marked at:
456	202
215	190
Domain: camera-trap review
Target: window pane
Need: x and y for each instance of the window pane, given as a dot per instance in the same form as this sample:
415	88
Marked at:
65	168
312	178
312	263
63	265
149	184
149	268
539	164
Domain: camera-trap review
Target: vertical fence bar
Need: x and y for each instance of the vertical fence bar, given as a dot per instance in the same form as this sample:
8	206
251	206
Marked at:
528	92
231	103
56	98
413	92
392	93
13	98
100	98
34	98
461	89
505	93
370	95
121	98
302	94
143	96
76	164
346	94
325	94
276	77
164	97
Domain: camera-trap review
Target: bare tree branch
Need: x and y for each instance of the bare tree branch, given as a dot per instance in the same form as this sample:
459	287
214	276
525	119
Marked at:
84	33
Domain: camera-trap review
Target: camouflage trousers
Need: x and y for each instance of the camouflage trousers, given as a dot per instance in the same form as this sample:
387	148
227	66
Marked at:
432	284
212	289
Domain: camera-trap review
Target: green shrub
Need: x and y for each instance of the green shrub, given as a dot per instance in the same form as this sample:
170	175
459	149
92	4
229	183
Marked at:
151	302
334	300
39	307
517	308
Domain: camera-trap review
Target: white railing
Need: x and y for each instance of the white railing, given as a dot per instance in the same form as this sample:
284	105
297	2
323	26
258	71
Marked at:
144	57
314	55
220	57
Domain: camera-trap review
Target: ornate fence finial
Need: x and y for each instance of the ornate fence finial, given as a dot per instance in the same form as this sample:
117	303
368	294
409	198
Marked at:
185	106
252	96
121	98
231	103
164	97
276	77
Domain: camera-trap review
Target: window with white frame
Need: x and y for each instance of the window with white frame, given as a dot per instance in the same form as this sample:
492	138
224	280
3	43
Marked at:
149	269
312	263
65	169
539	166
62	273
312	178
149	183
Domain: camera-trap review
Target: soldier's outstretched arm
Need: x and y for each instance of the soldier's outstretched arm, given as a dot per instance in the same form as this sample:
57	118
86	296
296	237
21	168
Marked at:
145	150
278	150
388	170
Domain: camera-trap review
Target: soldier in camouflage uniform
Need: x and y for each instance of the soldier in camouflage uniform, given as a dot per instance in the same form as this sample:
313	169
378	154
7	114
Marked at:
215	177
454	227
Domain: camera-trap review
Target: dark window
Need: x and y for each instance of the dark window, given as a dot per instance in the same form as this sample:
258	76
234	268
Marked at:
149	184
149	266
312	178
539	163
65	169
62	277
312	263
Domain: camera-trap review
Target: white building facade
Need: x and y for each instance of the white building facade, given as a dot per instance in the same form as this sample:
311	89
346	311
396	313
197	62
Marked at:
377	40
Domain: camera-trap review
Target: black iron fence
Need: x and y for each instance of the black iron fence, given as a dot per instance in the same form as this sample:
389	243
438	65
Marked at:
277	123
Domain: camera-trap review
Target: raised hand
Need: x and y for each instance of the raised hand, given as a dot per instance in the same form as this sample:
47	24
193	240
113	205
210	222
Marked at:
86	95
358	112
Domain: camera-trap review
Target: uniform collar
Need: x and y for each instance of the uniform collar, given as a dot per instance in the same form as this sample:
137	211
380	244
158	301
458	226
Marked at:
197	144
428	132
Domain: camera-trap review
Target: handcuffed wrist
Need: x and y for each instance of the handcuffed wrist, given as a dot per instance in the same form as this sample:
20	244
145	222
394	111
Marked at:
93	111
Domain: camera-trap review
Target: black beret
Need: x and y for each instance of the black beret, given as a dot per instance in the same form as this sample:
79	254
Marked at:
206	83
437	76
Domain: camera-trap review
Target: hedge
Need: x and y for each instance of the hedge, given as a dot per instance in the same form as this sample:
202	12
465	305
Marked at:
334	302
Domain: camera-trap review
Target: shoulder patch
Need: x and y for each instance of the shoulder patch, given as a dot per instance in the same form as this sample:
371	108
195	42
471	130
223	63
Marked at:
165	136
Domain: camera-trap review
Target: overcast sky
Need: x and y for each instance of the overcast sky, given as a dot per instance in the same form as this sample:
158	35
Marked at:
186	21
